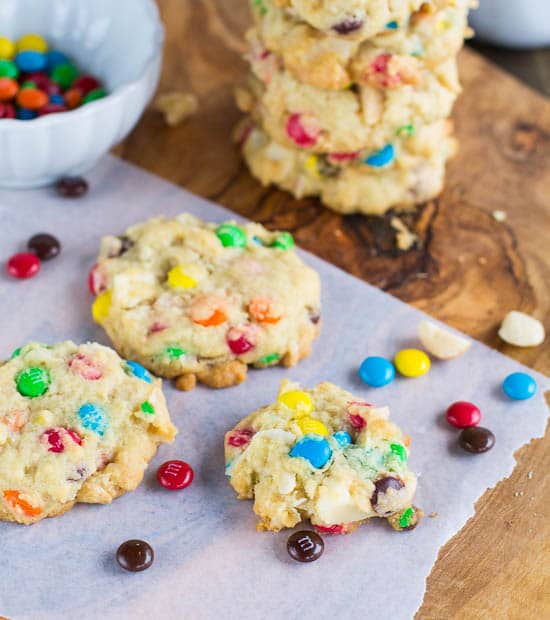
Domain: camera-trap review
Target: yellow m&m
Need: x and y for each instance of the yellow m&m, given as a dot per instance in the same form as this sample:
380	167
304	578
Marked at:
309	425
412	362
299	402
179	277
7	49
32	42
101	306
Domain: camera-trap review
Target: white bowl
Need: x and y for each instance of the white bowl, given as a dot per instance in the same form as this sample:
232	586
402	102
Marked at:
120	42
522	24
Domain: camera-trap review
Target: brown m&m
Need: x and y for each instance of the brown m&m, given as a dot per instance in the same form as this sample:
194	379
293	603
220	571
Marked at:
45	246
305	546
476	439
135	555
72	187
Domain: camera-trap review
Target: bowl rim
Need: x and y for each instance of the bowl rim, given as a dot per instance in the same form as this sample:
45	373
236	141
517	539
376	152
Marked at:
119	93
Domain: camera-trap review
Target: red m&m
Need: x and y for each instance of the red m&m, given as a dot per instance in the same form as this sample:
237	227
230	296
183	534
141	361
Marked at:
463	414
23	265
175	475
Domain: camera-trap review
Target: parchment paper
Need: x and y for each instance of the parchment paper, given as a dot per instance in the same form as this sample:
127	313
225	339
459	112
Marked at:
210	561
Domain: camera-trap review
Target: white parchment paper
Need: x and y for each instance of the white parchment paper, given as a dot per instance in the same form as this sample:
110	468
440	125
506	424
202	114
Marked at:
210	562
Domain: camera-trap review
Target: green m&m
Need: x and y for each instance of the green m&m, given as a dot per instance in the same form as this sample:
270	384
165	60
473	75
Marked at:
146	407
400	451
285	241
406	517
175	353
231	236
33	382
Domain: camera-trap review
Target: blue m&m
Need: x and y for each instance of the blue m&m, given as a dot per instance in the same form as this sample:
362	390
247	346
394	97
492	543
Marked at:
30	61
94	418
314	449
377	371
138	371
343	438
381	158
519	386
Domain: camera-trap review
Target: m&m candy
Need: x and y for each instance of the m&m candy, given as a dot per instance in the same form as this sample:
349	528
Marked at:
33	382
463	414
175	475
231	236
343	438
138	371
36	81
30	61
376	371
45	246
299	402
309	426
94	418
32	42
7	49
24	265
284	241
314	448
383	157
476	439
412	362
135	555
519	386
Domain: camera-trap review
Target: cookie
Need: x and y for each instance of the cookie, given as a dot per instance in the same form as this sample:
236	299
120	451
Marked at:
406	172
369	115
431	35
77	424
323	455
357	19
196	301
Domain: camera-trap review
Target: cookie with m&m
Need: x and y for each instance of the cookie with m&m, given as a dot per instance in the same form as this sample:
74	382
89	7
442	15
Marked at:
324	455
77	424
201	302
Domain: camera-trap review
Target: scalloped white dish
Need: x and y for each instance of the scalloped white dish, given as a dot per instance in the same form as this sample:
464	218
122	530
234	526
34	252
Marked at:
118	41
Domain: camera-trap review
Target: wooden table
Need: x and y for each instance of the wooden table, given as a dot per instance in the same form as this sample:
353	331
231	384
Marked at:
469	270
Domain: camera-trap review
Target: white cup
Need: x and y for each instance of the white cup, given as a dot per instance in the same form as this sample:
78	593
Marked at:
513	23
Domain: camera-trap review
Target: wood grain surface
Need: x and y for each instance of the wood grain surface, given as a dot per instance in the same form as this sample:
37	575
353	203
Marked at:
468	269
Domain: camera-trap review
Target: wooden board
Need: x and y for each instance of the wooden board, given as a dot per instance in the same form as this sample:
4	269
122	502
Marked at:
469	270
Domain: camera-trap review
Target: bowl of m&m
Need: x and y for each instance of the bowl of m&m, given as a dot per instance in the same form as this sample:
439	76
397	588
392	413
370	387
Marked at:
75	78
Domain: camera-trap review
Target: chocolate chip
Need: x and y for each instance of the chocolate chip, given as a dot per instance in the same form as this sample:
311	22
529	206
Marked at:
135	555
305	546
72	187
476	439
44	246
384	485
314	316
327	169
348	25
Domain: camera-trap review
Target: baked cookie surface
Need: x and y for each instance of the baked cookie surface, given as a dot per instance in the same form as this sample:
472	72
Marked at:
370	115
405	172
359	19
77	424
322	455
429	36
198	301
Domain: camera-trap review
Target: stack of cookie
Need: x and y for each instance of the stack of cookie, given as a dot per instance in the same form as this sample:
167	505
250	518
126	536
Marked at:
350	99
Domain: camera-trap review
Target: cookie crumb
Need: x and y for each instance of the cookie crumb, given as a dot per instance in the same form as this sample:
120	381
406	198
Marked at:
500	216
405	238
433	515
176	107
